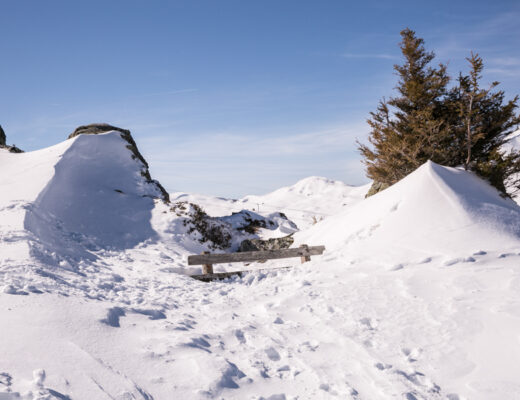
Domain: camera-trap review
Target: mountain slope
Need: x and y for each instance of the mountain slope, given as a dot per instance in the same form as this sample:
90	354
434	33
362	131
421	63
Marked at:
306	202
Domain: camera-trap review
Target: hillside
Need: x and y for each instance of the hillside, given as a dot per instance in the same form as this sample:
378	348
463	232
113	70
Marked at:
416	296
306	202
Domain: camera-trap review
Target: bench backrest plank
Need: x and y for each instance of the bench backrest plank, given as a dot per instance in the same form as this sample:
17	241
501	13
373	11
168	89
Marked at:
255	255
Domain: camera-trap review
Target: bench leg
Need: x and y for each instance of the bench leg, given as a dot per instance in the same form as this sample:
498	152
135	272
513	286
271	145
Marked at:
305	258
207	269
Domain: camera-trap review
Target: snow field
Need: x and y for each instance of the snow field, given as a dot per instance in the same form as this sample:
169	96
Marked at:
416	297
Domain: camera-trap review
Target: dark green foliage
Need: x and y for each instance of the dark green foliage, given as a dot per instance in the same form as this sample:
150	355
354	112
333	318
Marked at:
411	128
267	244
213	232
465	125
483	120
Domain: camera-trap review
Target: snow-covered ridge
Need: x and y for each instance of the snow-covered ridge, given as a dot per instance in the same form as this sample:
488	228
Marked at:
306	202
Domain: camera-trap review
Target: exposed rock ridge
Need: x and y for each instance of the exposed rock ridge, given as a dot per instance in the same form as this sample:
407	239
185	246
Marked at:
3	144
2	136
97	128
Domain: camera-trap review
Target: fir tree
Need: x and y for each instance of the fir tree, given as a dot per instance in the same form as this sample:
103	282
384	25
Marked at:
484	122
466	125
413	127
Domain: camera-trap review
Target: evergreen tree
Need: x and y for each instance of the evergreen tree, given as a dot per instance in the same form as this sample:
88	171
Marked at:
413	127
484	122
466	125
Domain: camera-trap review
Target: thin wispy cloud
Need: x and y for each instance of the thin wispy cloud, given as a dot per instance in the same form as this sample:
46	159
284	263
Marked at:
229	159
383	56
170	92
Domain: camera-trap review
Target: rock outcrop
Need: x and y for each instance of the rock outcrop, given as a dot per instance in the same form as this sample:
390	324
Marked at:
3	144
97	128
269	244
2	136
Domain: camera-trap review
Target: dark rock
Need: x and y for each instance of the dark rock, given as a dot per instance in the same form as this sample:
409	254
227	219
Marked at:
2	136
12	149
3	145
94	129
212	231
269	244
97	128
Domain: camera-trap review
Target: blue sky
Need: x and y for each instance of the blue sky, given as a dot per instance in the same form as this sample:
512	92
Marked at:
231	97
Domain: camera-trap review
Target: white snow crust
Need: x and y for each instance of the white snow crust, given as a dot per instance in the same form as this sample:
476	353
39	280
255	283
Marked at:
417	295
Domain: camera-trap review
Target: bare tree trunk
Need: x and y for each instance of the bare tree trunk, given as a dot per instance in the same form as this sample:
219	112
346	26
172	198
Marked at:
468	133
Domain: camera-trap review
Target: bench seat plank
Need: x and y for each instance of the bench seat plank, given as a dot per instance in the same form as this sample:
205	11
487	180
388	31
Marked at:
255	255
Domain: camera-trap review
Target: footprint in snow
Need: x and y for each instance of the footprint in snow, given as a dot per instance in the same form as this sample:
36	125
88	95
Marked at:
113	315
10	289
272	354
396	267
454	261
368	323
411	354
280	396
199	343
240	336
185	324
382	367
5	379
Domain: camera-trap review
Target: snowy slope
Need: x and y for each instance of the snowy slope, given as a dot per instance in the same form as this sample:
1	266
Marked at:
306	202
416	297
434	211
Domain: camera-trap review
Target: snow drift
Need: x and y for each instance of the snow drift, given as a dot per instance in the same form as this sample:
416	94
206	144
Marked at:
435	210
97	197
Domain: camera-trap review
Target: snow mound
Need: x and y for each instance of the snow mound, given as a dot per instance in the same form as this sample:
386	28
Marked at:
433	210
85	194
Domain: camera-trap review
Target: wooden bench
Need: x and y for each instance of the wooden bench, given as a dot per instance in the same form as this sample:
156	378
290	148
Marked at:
207	260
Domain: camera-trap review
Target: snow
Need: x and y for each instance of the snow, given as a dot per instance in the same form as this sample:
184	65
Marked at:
435	211
417	295
308	201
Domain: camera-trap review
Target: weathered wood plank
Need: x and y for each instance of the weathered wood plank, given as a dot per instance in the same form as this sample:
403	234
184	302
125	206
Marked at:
255	255
207	268
218	276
